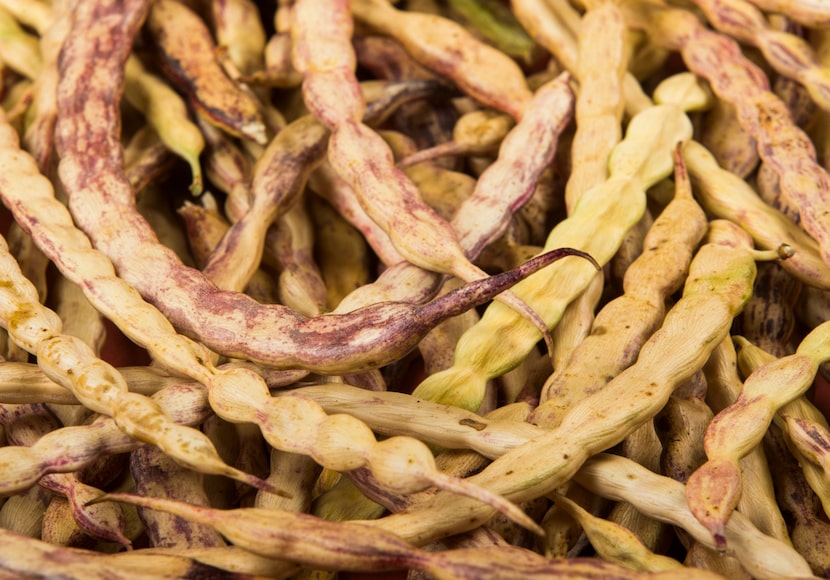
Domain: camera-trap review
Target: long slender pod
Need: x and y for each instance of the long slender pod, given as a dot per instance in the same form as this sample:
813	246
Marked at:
364	160
714	488
719	283
500	341
228	322
781	144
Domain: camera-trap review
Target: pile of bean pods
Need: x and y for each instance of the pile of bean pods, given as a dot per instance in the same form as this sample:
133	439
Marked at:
455	289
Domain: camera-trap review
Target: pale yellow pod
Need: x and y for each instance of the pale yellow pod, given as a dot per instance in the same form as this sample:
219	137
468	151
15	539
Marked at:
728	196
500	340
239	31
758	500
617	478
35	14
19	50
167	113
617	544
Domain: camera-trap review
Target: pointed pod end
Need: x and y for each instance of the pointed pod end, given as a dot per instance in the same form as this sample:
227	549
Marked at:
712	493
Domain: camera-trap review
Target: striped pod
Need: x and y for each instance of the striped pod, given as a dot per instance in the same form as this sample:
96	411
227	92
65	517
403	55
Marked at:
25	425
663	498
807	12
785	52
39	134
544	119
446	48
326	183
274	190
268	324
156	475
20	555
273	533
781	144
625	323
72	363
72	448
188	58
500	341
732	147
728	196
809	531
718	285
713	489
363	159
758	500
59	527
300	285
750	359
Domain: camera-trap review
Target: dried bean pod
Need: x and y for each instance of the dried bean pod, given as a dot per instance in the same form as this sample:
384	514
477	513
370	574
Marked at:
23	557
275	534
728	196
617	544
439	425
39	135
750	359
167	114
625	323
719	283
787	53
18	49
97	385
641	159
443	46
239	31
72	448
733	148
781	144
362	158
758	500
146	158
339	194
32	13
808	531
178	284
60	528
274	189
188	57
714	488
300	285
156	475
475	133
23	513
25	425
602	63
341	252
619	479
807	12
